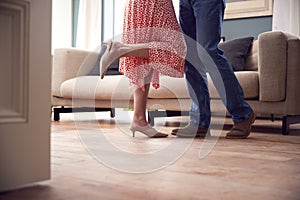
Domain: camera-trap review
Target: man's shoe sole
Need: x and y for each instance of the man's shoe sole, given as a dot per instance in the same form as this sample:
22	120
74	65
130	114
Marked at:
201	134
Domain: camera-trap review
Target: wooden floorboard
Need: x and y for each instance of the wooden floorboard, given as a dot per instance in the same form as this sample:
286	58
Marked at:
265	166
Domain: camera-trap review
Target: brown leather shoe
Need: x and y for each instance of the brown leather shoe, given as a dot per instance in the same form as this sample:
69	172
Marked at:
241	130
191	131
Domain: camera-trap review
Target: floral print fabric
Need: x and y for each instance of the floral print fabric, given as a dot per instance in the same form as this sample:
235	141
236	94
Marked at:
153	22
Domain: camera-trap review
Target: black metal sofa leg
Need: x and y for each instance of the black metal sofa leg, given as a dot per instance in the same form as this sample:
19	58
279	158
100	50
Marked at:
287	120
57	111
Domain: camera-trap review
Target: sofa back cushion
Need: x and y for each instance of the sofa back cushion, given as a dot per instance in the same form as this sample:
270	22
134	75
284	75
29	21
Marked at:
251	63
236	51
113	69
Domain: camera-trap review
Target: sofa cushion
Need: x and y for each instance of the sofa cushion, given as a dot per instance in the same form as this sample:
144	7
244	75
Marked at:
113	69
172	88
236	51
92	87
117	87
248	81
251	63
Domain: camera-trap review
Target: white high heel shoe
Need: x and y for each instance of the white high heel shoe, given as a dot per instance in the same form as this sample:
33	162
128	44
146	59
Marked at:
147	130
106	59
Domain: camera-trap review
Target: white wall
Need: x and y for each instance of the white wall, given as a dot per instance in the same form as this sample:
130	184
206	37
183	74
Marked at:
286	16
61	24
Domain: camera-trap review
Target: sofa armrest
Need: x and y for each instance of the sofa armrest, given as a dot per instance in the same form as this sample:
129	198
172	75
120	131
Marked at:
68	63
272	66
292	106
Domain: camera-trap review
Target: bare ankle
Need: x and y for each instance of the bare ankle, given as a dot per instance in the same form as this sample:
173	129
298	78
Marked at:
140	122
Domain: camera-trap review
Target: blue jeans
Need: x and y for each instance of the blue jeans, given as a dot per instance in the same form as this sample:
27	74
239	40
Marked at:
201	22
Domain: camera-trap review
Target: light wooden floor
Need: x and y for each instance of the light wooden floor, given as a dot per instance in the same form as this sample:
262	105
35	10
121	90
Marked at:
265	166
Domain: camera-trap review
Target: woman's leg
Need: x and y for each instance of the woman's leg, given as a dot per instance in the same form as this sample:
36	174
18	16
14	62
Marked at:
119	49
139	122
140	102
135	50
116	50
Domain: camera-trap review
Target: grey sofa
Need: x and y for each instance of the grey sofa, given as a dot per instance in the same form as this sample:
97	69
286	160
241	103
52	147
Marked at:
270	81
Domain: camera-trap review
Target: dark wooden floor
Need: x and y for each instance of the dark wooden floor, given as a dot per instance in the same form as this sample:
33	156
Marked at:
265	166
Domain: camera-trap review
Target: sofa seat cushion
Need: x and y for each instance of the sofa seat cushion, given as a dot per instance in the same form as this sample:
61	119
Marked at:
172	88
117	87
92	87
248	81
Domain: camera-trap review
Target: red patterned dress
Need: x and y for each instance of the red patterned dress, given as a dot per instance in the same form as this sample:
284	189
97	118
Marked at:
153	22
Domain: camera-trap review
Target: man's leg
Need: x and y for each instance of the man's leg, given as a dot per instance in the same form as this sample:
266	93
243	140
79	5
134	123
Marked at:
195	77
209	18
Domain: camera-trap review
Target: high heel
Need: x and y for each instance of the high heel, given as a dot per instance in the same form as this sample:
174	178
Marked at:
105	60
148	131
